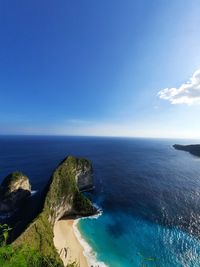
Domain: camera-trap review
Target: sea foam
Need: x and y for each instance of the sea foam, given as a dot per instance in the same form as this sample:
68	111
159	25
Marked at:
88	252
33	192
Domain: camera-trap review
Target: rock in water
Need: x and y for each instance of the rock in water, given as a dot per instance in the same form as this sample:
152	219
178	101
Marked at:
14	189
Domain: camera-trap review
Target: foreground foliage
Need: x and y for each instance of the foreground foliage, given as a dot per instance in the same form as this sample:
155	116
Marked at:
24	257
4	233
27	257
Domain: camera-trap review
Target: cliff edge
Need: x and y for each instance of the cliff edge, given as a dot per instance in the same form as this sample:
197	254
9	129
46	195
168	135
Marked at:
63	198
14	189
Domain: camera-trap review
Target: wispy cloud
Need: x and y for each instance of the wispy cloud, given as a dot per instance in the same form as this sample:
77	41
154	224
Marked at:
187	93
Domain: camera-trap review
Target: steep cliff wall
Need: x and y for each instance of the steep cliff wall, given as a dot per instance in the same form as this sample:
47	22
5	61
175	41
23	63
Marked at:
84	177
63	198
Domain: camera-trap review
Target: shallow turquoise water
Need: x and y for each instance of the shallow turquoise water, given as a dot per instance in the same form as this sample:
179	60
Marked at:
141	244
150	196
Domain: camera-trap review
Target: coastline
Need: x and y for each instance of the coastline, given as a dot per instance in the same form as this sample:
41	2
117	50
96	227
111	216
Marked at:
88	252
67	244
67	238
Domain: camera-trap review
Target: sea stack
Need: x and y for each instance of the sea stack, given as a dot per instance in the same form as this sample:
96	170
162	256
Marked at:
14	189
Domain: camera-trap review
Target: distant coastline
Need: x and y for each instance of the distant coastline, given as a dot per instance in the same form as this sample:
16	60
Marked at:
192	149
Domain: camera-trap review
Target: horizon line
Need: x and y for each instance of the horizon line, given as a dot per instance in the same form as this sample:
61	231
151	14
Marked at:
99	136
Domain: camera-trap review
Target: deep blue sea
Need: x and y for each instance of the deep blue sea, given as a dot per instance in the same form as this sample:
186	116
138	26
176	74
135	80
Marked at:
148	191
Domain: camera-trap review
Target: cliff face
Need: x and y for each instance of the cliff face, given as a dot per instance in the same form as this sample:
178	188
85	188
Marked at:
63	198
84	178
14	189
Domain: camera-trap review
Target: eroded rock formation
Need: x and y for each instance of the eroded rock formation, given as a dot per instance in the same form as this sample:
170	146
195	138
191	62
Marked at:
14	189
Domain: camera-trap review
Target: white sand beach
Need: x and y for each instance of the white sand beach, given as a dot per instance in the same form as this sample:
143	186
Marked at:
67	244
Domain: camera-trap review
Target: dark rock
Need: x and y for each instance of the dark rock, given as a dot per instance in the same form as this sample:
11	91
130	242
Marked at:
14	189
192	149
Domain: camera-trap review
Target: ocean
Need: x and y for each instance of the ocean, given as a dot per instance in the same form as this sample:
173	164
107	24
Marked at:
149	194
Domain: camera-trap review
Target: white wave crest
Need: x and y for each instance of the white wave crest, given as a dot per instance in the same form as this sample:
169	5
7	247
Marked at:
33	192
88	252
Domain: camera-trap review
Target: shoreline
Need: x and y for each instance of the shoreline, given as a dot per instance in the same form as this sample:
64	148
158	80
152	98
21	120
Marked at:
88	252
67	244
68	237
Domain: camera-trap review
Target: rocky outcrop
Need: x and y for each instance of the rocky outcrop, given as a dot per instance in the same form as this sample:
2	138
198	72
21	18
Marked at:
192	149
84	177
63	198
14	189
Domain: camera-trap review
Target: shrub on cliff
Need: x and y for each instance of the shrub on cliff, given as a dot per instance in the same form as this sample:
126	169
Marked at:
82	204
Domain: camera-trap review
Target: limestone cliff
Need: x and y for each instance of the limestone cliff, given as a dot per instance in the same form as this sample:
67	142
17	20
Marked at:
14	189
63	198
84	176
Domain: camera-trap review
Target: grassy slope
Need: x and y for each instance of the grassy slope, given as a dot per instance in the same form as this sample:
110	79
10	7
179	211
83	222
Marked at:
63	189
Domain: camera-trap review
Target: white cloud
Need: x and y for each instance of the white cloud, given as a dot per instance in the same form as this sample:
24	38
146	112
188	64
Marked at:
187	93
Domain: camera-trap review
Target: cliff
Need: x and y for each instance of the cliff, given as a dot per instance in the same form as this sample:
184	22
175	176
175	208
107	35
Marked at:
192	149
14	189
84	177
63	198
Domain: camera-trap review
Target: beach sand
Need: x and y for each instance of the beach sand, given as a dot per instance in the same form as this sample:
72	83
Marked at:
66	243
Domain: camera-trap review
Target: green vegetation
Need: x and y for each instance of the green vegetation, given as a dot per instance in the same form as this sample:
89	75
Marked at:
13	177
25	256
9	181
62	198
82	204
64	189
21	256
39	235
4	233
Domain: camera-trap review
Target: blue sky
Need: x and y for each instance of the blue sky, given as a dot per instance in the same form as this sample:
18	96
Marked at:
100	67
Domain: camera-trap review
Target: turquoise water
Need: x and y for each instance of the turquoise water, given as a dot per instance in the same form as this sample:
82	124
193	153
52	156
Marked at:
150	196
148	191
141	244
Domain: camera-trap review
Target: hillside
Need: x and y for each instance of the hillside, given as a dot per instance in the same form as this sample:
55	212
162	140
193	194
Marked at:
63	198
